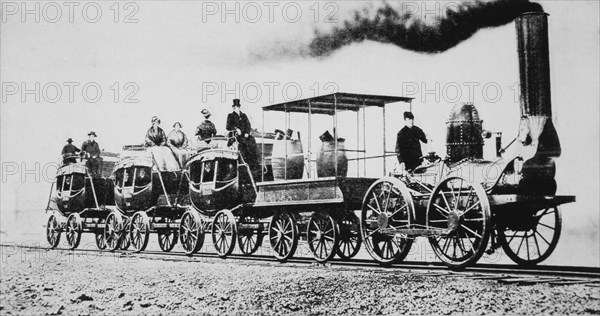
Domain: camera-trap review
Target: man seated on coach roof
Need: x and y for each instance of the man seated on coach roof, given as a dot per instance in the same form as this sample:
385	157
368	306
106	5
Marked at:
408	147
91	150
69	152
207	129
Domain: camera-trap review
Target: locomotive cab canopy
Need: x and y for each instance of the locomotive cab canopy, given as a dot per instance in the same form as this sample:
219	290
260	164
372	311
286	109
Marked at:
332	157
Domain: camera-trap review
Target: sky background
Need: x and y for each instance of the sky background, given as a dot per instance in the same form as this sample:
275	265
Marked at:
178	58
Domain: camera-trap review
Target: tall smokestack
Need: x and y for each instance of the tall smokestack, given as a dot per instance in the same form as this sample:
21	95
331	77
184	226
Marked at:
534	63
537	133
534	70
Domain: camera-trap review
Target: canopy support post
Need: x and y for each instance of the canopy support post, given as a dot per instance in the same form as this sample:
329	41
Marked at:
335	136
384	145
262	151
309	140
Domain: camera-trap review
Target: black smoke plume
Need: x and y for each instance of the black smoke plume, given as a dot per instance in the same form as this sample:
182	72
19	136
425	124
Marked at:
408	31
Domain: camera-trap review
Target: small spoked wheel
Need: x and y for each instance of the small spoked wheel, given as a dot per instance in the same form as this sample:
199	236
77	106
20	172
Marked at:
53	231
387	209
167	238
534	244
224	233
73	230
126	239
249	239
100	243
323	235
191	232
350	240
460	211
139	231
283	235
113	231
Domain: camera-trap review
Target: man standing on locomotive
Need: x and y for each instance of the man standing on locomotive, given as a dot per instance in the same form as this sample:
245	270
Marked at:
69	152
91	150
238	122
408	147
207	129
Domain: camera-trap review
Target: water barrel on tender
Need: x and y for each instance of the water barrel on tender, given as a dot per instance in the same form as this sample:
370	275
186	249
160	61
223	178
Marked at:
326	158
464	138
293	168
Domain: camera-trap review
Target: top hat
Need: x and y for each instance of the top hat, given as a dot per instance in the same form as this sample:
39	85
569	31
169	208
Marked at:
409	115
180	126
154	119
92	133
205	112
236	102
70	140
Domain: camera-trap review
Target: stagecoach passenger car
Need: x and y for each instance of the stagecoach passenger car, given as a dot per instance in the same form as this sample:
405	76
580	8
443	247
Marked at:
79	202
150	194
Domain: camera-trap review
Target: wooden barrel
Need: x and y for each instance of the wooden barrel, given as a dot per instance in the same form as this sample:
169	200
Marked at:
326	160
295	160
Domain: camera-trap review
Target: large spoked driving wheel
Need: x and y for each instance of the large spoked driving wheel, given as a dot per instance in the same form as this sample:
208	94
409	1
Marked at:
534	244
113	231
322	235
73	230
350	240
126	239
283	235
224	233
191	232
249	239
167	238
53	231
139	231
460	210
387	209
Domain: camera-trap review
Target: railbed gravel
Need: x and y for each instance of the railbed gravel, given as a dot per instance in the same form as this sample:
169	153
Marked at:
55	283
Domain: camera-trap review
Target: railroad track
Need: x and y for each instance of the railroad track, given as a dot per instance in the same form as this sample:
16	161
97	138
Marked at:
506	274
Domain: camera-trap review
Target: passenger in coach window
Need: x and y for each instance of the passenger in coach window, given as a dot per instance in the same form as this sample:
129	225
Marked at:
91	151
408	147
207	129
155	135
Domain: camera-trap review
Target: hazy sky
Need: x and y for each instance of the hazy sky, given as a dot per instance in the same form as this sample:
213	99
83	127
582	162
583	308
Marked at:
178	57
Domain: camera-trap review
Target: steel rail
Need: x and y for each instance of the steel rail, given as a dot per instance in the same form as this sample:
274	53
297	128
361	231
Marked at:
492	270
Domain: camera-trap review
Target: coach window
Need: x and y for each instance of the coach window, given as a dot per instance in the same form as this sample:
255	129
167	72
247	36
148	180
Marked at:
208	171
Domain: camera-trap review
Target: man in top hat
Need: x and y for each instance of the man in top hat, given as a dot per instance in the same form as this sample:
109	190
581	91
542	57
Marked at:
206	130
91	150
69	152
238	122
408	147
155	136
